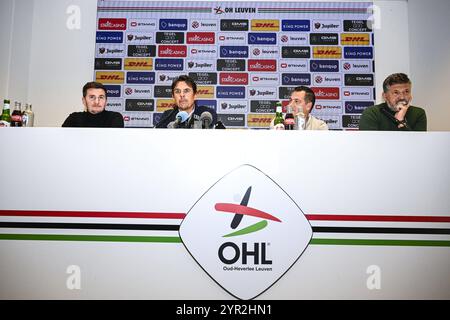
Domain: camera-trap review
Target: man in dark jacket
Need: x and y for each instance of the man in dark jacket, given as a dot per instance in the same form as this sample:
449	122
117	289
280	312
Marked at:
396	113
95	115
184	91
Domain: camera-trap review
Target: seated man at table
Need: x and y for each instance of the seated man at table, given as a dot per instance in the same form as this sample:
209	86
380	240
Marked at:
186	113
302	102
396	113
95	115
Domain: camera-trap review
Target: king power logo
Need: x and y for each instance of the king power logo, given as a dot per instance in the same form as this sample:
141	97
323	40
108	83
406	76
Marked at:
245	232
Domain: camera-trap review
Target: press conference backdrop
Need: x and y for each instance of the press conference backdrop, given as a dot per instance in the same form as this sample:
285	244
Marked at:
245	56
75	203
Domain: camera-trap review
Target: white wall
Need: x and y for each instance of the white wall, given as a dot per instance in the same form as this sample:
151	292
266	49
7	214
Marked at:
50	63
6	10
390	32
429	26
62	60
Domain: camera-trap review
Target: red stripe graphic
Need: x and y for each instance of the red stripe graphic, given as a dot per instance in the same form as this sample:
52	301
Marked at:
244	210
232	208
93	214
334	217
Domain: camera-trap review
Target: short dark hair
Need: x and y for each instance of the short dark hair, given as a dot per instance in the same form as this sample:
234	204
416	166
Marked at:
309	94
185	78
93	85
395	78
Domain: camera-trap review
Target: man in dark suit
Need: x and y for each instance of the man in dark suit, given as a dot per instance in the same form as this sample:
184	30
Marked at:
396	113
184	91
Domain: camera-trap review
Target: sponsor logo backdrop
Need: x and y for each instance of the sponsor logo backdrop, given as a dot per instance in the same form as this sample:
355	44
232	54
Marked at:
245	56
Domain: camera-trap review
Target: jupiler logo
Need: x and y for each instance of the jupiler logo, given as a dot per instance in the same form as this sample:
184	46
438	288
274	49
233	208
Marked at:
252	232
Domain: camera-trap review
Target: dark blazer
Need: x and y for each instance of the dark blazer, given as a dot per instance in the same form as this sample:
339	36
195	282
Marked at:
169	115
104	119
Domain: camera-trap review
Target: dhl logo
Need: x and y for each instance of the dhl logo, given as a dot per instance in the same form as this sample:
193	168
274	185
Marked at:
355	39
327	52
265	25
164	104
259	120
205	92
138	64
110	77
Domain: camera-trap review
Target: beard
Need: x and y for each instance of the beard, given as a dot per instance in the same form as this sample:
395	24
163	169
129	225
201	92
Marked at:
395	106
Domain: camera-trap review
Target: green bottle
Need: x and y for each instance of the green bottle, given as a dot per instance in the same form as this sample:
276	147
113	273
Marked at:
278	123
5	119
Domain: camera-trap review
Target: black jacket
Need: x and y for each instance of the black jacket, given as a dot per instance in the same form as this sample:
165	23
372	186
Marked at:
170	115
104	119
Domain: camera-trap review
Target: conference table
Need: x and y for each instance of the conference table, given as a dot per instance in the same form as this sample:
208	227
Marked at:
90	213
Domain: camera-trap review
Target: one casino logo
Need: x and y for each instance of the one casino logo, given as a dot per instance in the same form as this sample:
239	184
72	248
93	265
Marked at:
249	243
347	66
284	38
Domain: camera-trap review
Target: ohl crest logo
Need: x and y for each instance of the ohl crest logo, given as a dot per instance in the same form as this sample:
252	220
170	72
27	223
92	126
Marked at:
240	211
245	232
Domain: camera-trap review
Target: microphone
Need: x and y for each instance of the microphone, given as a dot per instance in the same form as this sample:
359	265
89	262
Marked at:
206	119
219	125
194	122
180	118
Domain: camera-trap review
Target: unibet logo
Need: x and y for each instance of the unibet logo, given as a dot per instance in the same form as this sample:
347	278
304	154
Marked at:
255	232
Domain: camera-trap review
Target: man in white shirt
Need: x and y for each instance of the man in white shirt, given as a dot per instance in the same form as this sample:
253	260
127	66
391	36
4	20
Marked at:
302	102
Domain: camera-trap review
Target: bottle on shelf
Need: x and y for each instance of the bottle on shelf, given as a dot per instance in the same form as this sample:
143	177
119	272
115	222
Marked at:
5	119
278	123
289	120
28	116
16	115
